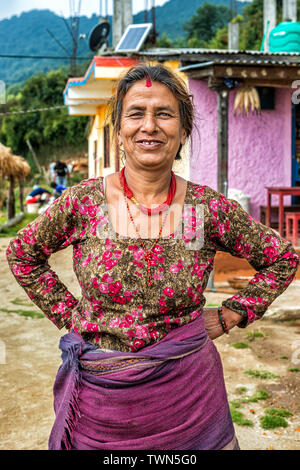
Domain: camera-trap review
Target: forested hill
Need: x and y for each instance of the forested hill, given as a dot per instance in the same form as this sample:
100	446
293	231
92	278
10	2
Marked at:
27	34
171	16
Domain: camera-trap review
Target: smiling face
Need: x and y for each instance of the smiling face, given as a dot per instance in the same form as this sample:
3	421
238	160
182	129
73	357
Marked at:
150	130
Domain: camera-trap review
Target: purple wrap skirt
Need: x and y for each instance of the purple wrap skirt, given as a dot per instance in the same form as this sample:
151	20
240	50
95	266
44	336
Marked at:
168	396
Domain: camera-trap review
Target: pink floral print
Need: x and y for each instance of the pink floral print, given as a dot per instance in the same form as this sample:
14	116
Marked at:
117	310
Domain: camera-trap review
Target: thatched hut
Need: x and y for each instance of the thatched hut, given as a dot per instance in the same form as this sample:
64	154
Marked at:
7	171
6	161
14	168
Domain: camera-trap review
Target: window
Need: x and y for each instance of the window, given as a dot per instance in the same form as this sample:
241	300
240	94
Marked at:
266	96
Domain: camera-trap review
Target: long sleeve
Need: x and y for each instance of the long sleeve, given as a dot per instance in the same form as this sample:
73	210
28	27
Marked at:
28	253
233	230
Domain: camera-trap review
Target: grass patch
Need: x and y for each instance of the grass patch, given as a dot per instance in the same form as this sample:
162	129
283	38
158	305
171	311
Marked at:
236	403
257	396
24	313
12	231
251	335
282	412
275	418
241	389
260	374
294	369
272	422
21	302
238	417
240	345
284	357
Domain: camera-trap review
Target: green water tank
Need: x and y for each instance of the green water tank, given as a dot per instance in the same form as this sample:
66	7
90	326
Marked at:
285	37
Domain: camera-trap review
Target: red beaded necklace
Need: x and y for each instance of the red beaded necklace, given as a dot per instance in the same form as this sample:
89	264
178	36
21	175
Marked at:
127	193
162	207
147	252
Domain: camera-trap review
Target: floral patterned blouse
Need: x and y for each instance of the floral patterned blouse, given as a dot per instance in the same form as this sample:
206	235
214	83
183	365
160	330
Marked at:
117	309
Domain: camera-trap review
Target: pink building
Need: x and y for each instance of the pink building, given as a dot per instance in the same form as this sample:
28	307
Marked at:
231	152
239	152
259	146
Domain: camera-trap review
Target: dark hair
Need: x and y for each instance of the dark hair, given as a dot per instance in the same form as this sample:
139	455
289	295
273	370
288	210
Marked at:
156	73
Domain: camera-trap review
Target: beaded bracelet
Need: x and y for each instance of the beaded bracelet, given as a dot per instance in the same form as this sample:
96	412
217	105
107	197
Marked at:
222	321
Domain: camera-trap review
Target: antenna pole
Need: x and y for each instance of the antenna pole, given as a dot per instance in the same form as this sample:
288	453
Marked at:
74	33
58	42
153	34
75	27
75	20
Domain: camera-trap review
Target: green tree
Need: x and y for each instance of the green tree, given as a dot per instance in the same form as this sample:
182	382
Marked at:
208	27
251	28
164	41
48	131
252	25
204	24
220	41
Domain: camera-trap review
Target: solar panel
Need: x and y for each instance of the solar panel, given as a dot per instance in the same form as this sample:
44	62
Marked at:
134	37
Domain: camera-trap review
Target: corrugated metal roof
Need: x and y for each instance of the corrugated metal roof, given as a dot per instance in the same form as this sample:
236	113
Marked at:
213	51
226	56
184	51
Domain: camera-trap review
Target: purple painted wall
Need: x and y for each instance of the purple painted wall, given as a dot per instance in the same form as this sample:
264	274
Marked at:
259	151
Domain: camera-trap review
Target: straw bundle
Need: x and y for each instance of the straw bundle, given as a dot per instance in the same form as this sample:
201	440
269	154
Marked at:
14	168
7	167
22	169
12	165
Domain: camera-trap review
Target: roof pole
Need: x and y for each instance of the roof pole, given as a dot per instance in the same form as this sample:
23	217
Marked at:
289	10
269	20
122	17
222	106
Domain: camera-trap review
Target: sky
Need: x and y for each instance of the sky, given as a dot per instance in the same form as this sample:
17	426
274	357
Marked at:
62	7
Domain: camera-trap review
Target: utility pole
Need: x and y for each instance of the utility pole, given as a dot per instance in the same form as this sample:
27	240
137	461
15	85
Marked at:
74	33
73	29
269	21
153	34
122	17
289	10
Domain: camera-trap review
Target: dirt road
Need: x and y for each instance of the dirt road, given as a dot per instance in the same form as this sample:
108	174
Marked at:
29	359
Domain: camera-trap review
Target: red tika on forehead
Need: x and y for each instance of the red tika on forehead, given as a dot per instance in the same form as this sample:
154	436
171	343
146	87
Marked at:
148	82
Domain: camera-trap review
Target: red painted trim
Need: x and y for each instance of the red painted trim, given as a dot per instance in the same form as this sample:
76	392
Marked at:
114	61
100	61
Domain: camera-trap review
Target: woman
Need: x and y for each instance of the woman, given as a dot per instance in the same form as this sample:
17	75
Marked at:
140	369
